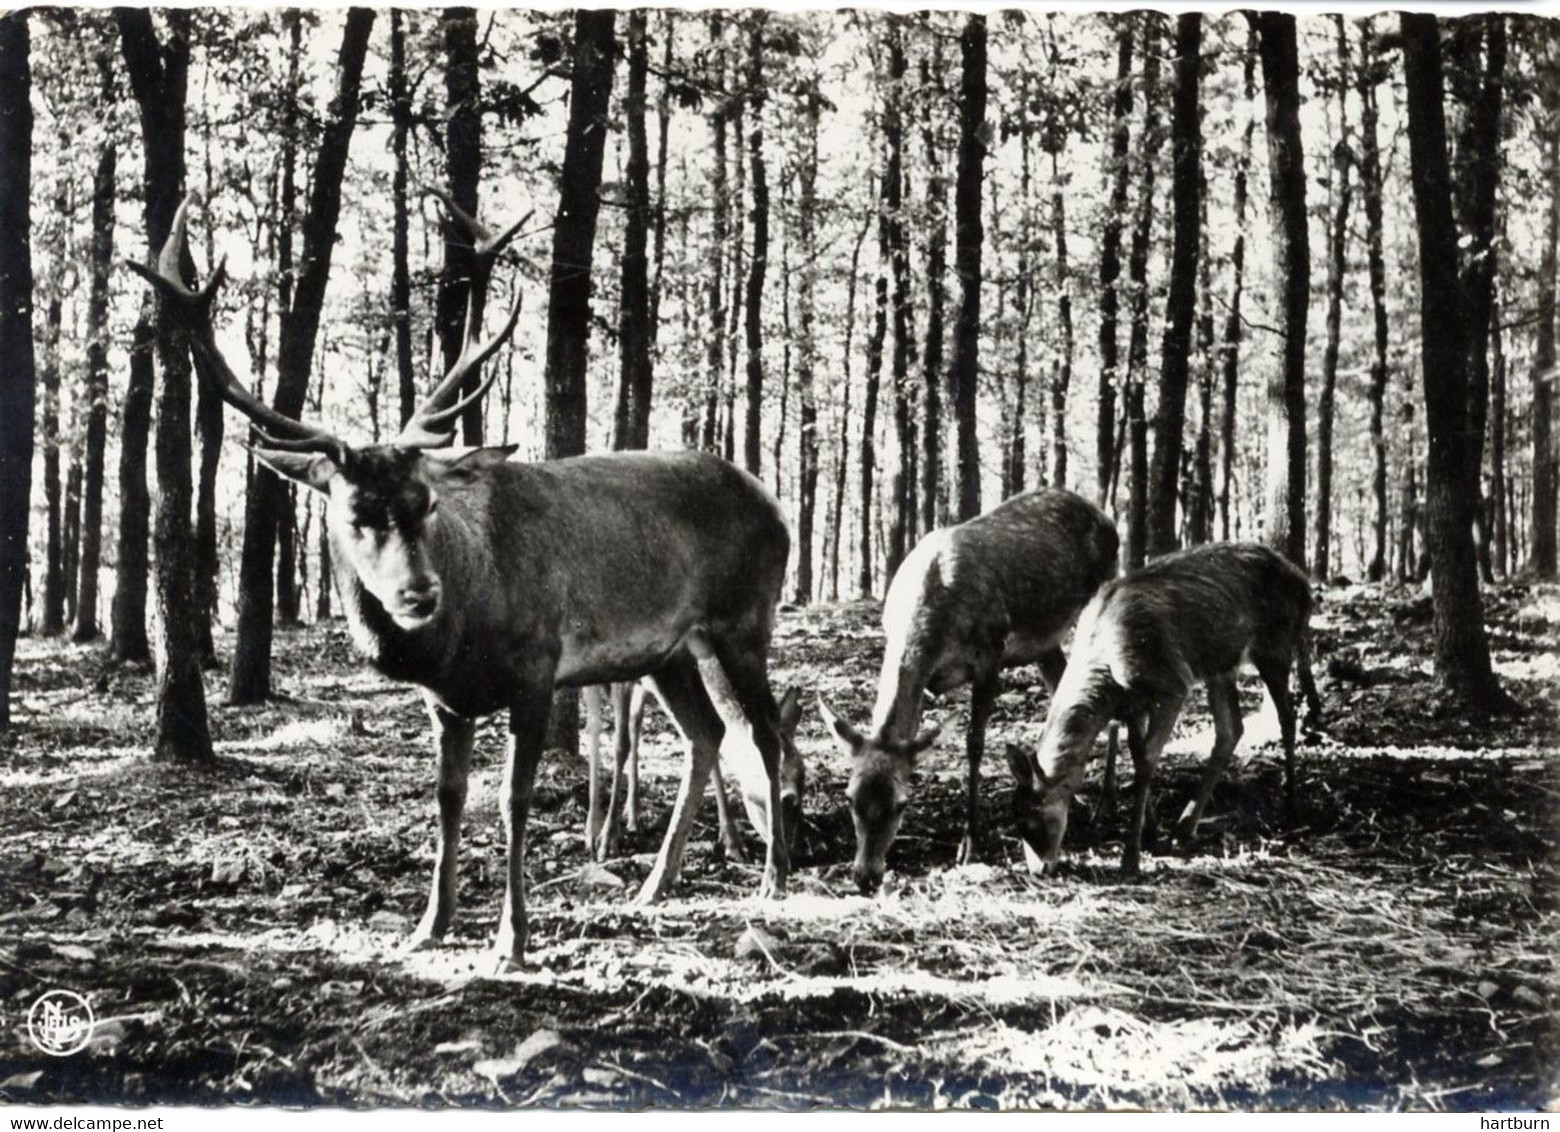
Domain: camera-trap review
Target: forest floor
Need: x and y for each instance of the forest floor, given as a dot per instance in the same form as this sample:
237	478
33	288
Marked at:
238	931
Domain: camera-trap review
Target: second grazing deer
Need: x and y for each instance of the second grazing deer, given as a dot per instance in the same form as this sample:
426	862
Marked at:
1188	618
607	815
488	582
999	590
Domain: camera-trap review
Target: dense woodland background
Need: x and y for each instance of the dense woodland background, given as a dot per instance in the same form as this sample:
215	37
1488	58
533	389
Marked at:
1234	277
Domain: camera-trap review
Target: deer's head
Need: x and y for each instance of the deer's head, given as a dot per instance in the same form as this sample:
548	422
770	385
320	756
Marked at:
793	785
878	792
383	500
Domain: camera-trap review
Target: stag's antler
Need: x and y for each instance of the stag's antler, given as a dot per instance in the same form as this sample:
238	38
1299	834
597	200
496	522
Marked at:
275	428
432	424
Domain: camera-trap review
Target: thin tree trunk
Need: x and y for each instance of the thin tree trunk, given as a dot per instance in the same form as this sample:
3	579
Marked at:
720	205
1367	79
1199	519
400	270
1062	378
70	549
208	427
1181	305
1233	327
463	163
18	377
1499	529
52	623
1110	258
569	288
752	444
964	372
267	511
1137	275
837	511
1541	528
103	198
807	432
869	409
1462	657
130	644
1285	508
934	488
632	429
901	484
663	118
1337	262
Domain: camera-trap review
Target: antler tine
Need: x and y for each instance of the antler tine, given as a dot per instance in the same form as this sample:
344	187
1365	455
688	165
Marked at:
195	306
475	354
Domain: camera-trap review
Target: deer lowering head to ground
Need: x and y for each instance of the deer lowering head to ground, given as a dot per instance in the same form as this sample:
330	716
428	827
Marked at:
1187	618
489	582
999	590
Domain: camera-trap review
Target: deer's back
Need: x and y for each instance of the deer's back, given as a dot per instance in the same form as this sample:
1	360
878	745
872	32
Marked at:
1017	574
1196	614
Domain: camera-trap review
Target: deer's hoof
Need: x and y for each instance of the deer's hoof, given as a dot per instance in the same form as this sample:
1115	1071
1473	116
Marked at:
966	854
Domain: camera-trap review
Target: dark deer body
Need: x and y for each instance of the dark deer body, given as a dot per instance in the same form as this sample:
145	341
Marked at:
999	590
1188	618
488	583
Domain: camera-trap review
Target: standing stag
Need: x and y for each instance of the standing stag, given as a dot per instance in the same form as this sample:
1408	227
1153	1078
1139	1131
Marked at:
999	590
489	583
1187	618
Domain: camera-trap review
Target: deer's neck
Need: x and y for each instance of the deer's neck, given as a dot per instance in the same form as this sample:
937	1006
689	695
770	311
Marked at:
901	689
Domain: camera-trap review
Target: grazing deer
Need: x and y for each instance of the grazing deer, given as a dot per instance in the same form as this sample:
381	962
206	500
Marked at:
488	583
998	590
607	816
1145	640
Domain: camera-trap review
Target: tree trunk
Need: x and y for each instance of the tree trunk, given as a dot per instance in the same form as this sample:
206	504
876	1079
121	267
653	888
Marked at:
1476	190
1061	380
1337	262
1181	305
964	372
569	287
807	432
1199	518
208	427
933	488
1233	327
463	164
901	483
632	427
1499	530
1541	536
720	206
18	377
158	76
1285	507
1110	258
752	445
286	594
70	548
869	409
128	613
267	508
1367	79
837	511
400	272
103	198
1462	657
52	623
1137	275
663	118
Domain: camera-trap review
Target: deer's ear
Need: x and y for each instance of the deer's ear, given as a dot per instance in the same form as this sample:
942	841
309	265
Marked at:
311	469
922	741
1022	766
848	738
464	468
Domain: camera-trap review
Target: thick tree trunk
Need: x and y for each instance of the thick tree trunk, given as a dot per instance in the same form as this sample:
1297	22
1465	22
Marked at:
933	486
103	198
1230	351
1110	259
267	508
1137	276
1181	305
569	286
1462	657
1500	538
752	439
400	270
18	377
130	643
964	372
1285	507
632	425
1337	262
463	166
902	484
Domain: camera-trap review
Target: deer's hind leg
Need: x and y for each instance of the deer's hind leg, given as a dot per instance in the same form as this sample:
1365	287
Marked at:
1147	733
1275	675
1224	703
682	693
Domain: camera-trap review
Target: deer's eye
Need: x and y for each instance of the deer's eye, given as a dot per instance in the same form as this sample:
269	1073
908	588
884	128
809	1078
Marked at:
433	504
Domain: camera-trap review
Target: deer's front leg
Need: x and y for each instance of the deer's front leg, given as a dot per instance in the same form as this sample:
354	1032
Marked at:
453	736
983	698
527	737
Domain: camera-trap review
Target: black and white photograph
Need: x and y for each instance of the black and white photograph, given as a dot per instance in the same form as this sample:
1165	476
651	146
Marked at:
777	559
